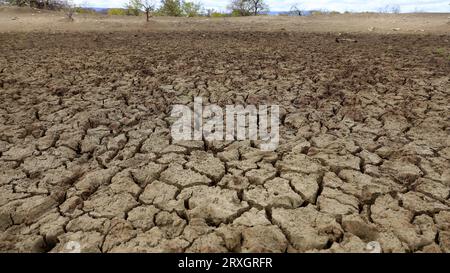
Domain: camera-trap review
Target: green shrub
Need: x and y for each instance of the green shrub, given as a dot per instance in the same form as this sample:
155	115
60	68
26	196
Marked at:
133	12
170	8
191	9
124	12
440	51
84	10
219	14
317	12
117	11
237	13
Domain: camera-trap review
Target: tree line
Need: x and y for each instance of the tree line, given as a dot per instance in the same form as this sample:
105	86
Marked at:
191	9
177	8
40	4
166	8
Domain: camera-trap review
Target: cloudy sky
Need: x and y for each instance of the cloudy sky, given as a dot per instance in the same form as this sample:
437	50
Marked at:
338	5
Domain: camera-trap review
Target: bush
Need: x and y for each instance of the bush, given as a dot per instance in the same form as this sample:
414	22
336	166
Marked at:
191	9
440	51
39	4
237	13
132	12
170	8
117	11
218	15
319	12
80	10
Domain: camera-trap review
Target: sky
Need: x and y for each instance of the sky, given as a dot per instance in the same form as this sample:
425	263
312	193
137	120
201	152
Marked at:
330	5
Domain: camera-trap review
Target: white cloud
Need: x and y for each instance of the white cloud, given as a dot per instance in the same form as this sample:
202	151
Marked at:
338	5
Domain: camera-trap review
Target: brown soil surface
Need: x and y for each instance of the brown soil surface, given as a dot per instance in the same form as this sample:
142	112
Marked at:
86	153
25	20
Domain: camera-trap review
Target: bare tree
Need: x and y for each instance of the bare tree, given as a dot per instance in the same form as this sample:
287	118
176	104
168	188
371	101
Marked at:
295	11
395	9
209	12
239	7
69	9
390	9
148	6
258	6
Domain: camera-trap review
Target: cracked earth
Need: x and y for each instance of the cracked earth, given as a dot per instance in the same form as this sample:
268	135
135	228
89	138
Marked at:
86	153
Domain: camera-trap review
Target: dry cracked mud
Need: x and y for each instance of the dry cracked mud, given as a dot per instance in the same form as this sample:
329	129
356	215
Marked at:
86	153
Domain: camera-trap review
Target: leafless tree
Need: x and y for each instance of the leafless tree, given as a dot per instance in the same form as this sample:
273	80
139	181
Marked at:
69	9
149	7
395	9
295	11
390	9
258	6
239	7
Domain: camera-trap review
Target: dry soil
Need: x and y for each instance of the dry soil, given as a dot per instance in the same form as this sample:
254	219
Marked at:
86	153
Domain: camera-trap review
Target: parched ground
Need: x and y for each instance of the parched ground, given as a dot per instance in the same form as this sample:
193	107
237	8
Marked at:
86	153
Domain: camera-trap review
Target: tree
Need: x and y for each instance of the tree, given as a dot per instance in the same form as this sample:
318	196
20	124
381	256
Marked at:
65	5
148	6
295	11
395	9
171	8
390	9
239	8
209	12
69	9
191	9
258	6
40	4
133	7
19	3
247	7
